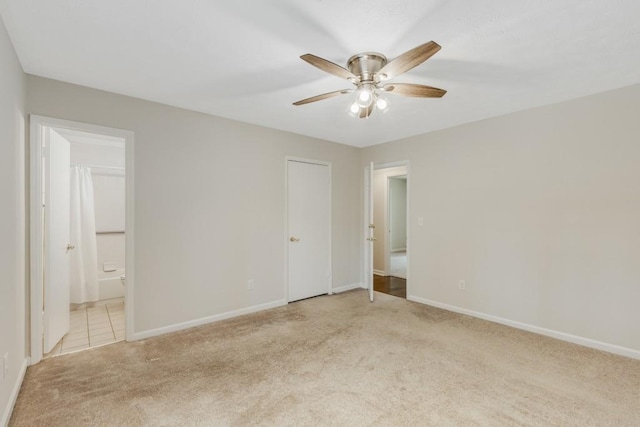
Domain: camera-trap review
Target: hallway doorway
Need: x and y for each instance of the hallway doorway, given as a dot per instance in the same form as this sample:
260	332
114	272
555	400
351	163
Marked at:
390	211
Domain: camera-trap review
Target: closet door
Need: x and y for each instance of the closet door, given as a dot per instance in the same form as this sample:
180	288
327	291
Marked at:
309	226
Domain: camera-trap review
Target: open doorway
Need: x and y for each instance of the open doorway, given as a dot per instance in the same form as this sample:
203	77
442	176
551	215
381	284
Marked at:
390	200
81	226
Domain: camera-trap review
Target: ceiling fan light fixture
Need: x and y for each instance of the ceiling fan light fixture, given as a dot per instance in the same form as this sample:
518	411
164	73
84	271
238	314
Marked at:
364	95
368	71
354	109
382	104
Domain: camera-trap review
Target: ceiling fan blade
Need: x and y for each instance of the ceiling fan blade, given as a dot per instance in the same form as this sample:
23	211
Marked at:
323	96
419	91
408	60
329	67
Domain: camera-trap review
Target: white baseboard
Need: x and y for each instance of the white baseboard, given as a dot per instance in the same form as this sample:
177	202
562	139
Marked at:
379	273
587	342
348	288
204	320
8	410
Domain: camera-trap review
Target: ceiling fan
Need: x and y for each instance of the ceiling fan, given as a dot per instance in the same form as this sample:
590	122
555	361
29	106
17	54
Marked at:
369	72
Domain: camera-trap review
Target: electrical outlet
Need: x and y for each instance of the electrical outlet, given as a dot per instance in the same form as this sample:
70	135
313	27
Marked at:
420	222
462	285
5	365
250	284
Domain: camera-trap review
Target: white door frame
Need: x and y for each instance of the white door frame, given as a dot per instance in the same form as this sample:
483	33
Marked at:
286	221
36	229
387	252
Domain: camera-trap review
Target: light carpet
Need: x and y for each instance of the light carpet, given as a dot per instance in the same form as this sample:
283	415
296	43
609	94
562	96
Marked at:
336	360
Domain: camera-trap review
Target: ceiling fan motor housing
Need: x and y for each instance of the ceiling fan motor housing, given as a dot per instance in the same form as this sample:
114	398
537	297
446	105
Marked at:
366	65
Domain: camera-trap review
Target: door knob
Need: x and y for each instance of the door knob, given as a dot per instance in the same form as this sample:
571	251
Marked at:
70	246
293	239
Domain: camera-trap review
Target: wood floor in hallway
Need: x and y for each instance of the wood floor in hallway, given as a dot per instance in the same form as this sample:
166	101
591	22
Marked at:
390	285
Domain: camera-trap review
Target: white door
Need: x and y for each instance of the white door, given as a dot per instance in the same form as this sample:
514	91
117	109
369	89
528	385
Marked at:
56	238
309	226
369	229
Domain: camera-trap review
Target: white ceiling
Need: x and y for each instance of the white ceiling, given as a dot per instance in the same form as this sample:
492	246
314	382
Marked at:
240	58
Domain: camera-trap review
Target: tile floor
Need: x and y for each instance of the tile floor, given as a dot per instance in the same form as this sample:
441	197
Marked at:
92	327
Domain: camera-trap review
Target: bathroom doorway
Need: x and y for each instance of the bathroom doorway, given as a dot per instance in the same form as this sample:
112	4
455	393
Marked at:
81	236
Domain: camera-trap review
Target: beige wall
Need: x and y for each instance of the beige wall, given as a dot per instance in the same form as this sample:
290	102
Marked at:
539	211
398	214
12	220
210	203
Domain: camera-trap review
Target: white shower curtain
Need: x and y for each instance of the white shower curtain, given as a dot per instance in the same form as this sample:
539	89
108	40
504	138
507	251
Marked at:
84	258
